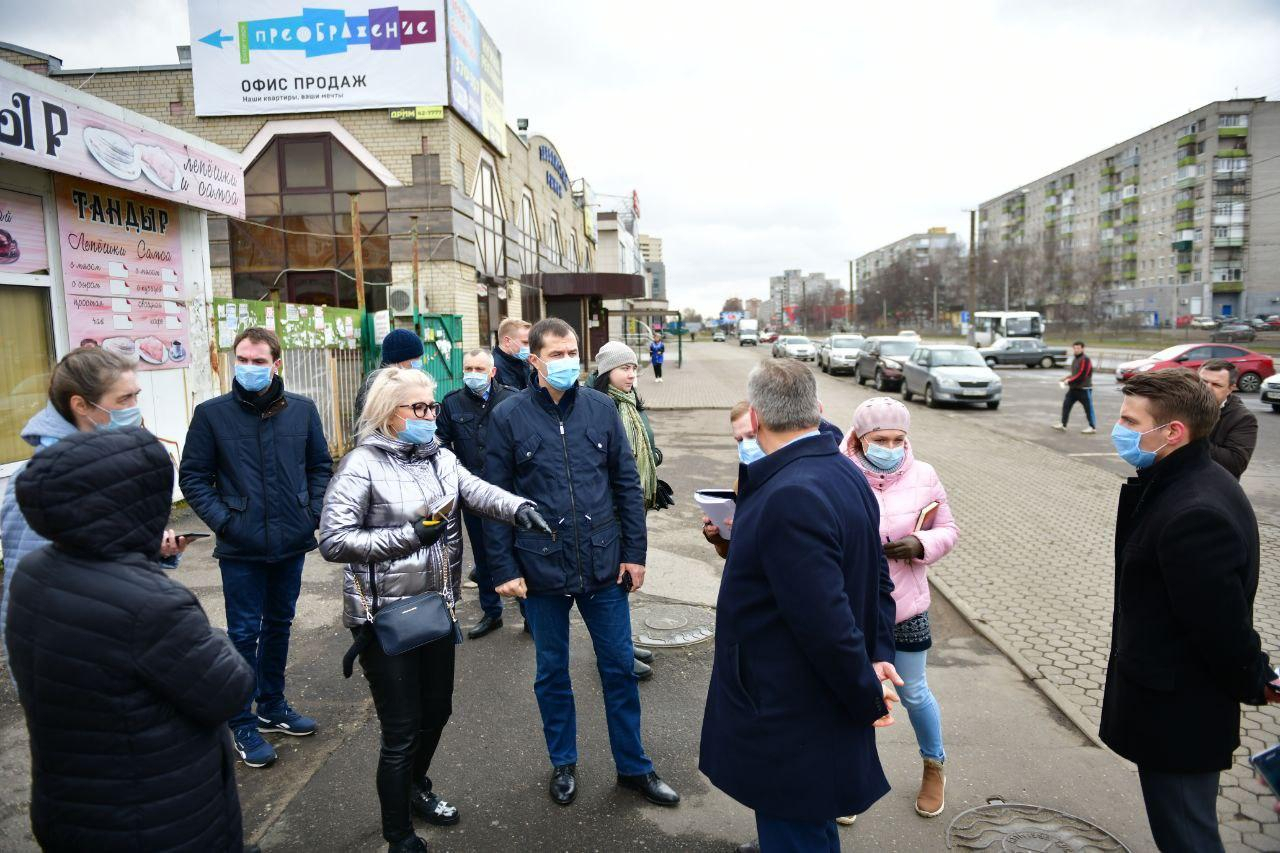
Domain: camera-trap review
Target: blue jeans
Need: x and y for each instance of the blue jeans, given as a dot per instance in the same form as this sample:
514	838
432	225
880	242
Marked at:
1083	396
260	599
921	707
778	835
608	618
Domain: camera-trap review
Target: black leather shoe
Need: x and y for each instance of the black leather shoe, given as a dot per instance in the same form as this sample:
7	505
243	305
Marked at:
749	847
412	844
428	806
527	629
643	655
642	670
487	625
564	784
653	788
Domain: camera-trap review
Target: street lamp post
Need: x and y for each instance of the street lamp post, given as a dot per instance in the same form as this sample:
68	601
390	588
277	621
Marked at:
972	299
1006	282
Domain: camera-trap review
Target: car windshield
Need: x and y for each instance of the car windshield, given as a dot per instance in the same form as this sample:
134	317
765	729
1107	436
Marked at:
897	348
956	358
1171	352
847	343
797	340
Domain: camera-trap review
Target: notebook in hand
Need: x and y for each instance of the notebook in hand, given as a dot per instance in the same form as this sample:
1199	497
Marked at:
925	520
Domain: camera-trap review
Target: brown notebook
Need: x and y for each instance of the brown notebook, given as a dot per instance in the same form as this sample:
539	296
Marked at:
925	520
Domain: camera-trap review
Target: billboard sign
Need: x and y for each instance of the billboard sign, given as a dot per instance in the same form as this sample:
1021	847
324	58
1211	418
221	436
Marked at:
475	75
731	316
284	56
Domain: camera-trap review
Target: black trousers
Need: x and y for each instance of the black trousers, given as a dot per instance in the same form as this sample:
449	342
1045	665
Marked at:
1182	810
1083	396
657	370
413	694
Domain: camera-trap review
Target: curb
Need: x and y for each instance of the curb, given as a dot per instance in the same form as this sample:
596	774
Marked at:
1044	685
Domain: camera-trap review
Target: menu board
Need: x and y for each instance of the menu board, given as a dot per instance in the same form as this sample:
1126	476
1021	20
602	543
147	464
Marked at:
299	326
22	243
122	273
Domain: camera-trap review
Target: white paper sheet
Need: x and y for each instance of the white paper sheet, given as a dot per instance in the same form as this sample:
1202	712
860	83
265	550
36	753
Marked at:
717	505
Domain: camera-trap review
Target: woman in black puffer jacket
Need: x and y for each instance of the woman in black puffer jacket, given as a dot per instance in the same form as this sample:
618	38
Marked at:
125	685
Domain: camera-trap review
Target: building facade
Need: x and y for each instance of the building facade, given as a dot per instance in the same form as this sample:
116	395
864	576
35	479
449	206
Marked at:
919	250
1179	221
787	292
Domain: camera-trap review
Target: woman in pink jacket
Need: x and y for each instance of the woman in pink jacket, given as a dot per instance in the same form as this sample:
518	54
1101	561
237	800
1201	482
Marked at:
905	487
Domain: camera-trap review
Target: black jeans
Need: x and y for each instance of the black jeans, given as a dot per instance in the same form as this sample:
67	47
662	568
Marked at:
1182	810
1083	396
657	370
413	694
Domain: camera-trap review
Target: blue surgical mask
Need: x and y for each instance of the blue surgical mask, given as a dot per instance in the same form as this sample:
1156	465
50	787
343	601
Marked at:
416	364
749	451
884	458
523	354
418	431
253	377
562	373
477	382
1127	443
129	417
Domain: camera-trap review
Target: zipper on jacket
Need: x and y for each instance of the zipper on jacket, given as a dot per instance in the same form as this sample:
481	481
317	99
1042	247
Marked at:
266	503
573	507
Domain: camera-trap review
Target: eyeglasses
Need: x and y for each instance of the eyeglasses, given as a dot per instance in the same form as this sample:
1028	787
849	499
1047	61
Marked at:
422	410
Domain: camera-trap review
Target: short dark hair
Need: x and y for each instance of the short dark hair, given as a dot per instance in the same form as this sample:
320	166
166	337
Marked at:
1078	344
1216	364
1176	394
550	326
259	335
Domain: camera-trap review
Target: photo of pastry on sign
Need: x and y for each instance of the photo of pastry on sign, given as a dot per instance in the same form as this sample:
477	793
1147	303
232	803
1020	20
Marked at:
22	240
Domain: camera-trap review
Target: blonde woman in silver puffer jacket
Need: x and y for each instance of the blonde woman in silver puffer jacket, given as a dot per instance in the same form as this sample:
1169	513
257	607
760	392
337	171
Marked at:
373	519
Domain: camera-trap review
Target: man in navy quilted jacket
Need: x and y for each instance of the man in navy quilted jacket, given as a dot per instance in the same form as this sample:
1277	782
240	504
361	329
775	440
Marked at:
254	468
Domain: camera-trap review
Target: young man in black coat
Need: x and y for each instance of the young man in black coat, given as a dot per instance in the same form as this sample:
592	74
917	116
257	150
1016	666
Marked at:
804	629
1235	436
1184	653
126	687
511	357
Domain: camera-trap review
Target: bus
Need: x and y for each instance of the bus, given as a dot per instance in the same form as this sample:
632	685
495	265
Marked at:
991	326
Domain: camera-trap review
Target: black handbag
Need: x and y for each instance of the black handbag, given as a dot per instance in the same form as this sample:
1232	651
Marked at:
411	623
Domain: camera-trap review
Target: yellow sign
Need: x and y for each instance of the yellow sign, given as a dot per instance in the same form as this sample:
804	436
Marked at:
417	113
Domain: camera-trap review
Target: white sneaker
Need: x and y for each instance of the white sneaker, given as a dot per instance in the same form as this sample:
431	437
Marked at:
1088	431
1060	427
847	821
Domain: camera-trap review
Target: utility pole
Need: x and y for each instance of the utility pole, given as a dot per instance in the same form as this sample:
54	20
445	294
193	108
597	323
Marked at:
1006	288
804	308
357	251
416	303
853	311
972	300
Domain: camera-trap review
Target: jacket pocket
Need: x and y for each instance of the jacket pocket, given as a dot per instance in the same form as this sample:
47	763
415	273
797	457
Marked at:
599	441
540	559
605	553
527	450
739	678
237	505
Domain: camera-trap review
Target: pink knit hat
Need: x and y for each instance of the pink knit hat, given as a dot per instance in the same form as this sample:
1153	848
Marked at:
881	413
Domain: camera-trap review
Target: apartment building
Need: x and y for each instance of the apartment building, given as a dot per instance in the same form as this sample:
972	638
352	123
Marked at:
1179	221
920	250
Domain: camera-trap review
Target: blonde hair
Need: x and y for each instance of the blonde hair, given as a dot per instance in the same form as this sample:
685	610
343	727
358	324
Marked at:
390	387
510	327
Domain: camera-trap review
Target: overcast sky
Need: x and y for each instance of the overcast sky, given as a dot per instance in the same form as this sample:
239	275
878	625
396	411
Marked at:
767	136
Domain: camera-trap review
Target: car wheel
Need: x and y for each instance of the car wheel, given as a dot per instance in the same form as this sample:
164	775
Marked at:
1046	362
991	362
1249	383
825	367
1275	407
993	404
906	392
857	374
928	397
880	384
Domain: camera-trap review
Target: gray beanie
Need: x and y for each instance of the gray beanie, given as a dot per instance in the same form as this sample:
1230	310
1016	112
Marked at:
614	354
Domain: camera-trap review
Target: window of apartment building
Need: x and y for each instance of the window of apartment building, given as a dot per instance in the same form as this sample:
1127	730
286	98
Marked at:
553	239
296	237
1197	276
1240	120
489	222
528	225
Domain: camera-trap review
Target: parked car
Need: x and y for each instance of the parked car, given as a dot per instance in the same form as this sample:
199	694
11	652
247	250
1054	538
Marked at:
1204	323
950	374
840	353
1029	351
1234	332
719	336
769	338
1271	392
881	361
794	346
1253	367
909	333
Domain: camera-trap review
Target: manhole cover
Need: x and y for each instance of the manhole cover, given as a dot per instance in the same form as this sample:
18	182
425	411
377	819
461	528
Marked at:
1021	828
670	625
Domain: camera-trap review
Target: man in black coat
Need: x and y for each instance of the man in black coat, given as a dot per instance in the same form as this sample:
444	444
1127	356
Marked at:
511	358
462	427
1184	653
1235	435
125	686
804	629
254	468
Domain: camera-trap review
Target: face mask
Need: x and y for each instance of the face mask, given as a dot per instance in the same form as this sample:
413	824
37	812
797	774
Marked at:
523	354
1127	443
418	432
563	373
416	364
476	381
882	457
749	451
253	377
130	417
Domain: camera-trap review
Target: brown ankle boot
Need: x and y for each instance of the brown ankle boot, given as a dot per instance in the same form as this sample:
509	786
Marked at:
932	797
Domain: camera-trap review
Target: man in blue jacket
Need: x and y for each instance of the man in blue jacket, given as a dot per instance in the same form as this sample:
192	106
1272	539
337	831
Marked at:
564	447
254	468
801	644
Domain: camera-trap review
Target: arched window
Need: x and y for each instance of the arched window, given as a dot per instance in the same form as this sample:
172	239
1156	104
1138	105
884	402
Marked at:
298	187
489	222
553	239
572	260
528	224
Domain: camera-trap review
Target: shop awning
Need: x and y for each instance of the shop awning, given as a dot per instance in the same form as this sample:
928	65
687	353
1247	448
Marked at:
610	285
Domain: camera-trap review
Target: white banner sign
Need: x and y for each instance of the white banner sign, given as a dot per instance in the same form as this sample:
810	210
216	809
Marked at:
285	56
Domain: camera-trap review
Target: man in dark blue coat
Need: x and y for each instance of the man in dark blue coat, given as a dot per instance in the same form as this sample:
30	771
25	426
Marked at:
804	629
511	358
462	426
564	447
254	468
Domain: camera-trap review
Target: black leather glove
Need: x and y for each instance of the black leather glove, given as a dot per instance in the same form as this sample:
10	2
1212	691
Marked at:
429	533
527	518
906	548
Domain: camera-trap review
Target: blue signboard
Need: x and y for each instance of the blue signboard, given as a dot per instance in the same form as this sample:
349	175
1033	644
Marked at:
475	74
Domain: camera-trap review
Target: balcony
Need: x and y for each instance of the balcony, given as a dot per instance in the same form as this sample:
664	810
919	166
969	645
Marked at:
1227	242
1228	287
1233	152
1181	245
1184	224
1188	139
1187	161
1107	170
1131	181
1186	204
1128	275
1232	132
1133	199
1131	238
1129	256
1185	267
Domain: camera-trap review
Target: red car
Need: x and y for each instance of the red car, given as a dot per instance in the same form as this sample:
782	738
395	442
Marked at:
1254	367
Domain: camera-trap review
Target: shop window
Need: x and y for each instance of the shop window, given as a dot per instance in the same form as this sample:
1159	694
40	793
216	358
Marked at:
296	241
24	370
528	225
553	239
490	244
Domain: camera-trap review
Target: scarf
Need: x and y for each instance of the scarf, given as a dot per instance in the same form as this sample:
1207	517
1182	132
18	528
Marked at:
641	448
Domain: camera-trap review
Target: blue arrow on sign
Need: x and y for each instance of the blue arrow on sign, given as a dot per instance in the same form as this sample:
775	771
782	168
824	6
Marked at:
216	38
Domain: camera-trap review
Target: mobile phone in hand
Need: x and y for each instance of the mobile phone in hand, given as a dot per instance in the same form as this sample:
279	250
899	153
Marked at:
1267	763
191	537
626	581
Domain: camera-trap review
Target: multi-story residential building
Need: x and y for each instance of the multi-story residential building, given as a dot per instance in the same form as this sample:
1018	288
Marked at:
920	250
1178	221
650	248
788	291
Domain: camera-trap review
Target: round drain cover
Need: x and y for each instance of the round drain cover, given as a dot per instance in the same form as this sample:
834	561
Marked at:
671	625
1021	828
